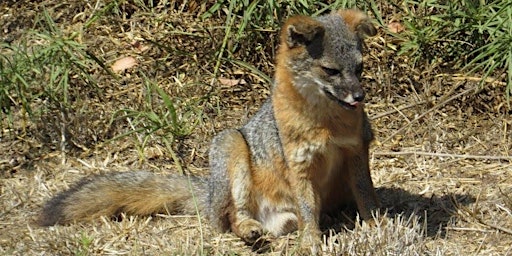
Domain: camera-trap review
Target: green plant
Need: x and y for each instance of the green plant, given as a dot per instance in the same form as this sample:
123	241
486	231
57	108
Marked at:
45	71
85	243
159	118
471	35
496	54
246	19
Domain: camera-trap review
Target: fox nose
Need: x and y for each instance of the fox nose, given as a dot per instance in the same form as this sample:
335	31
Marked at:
358	96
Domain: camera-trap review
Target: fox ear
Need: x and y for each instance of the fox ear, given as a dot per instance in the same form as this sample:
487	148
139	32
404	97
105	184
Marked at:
301	30
358	22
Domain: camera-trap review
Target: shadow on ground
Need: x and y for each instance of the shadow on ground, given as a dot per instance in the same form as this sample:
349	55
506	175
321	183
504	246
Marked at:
436	211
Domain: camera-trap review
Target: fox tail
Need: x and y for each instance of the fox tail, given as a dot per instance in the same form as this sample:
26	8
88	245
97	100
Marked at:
135	193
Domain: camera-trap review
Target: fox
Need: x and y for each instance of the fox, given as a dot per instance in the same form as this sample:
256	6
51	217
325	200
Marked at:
304	153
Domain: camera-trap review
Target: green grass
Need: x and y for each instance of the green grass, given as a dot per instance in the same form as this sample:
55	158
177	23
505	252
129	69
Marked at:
245	20
85	243
49	70
473	36
159	119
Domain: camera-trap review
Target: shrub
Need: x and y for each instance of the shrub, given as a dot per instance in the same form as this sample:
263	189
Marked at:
462	34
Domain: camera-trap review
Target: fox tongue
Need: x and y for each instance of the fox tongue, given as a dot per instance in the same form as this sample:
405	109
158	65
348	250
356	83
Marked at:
348	102
351	101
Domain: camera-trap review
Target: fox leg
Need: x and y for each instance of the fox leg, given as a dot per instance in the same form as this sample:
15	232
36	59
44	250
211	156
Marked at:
362	186
232	152
308	203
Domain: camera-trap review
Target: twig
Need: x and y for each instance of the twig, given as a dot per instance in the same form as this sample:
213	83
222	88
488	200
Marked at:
397	110
490	80
502	229
10	209
430	110
473	214
468	229
421	153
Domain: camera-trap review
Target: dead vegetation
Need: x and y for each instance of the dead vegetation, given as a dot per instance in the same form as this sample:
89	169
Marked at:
441	160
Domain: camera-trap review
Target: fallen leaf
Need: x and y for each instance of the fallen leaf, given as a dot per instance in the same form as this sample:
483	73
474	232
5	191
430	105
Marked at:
396	27
231	82
123	64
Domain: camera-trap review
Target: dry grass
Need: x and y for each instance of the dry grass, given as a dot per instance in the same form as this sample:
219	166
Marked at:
441	160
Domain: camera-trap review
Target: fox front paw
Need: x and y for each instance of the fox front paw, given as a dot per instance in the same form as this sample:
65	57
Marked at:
250	230
376	222
311	243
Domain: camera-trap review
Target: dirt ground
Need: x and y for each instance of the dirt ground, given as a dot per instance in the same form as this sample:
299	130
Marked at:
441	160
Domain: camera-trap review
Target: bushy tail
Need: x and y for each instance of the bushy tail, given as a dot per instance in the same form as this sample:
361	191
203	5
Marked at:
138	193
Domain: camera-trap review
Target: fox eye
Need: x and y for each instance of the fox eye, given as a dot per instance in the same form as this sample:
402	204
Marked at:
330	71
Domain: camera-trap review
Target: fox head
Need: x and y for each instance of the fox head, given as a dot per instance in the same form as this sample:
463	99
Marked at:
323	56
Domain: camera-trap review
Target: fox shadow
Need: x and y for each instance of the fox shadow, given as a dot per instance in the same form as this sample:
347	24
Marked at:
435	211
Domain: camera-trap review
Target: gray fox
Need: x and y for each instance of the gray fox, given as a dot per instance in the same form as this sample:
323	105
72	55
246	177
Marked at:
304	153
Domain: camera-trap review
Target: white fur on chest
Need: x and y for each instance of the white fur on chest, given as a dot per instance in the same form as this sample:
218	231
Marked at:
306	151
330	156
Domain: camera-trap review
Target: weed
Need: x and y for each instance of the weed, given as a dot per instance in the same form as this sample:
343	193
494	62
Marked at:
461	34
85	243
47	70
496	53
245	20
159	118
